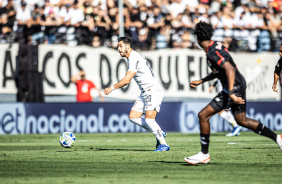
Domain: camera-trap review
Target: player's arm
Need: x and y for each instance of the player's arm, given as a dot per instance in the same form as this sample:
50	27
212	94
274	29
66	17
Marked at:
124	81
209	77
277	71
230	73
75	77
100	94
276	77
212	86
274	87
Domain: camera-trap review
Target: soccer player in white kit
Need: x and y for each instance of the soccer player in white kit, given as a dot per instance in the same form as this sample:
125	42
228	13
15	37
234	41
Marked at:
151	96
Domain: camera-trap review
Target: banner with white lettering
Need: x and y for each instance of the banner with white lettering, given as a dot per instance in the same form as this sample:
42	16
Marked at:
54	118
174	68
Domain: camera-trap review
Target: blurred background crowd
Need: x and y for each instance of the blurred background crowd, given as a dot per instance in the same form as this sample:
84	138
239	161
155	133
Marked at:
242	25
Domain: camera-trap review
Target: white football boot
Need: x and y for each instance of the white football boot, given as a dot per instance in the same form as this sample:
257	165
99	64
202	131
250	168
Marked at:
279	141
199	158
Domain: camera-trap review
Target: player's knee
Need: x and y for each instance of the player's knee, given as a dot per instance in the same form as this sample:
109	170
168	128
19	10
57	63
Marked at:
132	116
150	114
202	115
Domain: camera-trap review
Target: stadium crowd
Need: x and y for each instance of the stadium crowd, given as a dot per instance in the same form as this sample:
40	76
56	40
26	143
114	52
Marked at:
242	25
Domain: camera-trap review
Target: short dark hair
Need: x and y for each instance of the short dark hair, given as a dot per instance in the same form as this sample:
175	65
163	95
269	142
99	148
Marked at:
203	31
125	40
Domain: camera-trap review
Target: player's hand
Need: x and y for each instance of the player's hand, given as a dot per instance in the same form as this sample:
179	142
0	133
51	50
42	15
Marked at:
107	90
194	84
210	89
236	99
274	87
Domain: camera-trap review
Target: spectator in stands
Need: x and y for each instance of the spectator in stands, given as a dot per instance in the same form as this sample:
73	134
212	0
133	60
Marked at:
102	4
48	6
134	24
114	20
102	25
37	35
163	37
217	23
186	19
23	18
96	42
186	40
112	3
155	21
263	38
51	26
9	9
6	28
252	25
77	15
177	7
144	42
84	88
164	6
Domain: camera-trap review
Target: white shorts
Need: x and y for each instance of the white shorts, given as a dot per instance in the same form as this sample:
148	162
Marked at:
149	100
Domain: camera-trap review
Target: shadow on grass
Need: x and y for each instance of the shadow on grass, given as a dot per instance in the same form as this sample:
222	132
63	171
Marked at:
115	149
181	163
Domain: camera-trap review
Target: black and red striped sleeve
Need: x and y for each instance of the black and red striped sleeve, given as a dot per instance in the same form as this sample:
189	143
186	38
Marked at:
220	56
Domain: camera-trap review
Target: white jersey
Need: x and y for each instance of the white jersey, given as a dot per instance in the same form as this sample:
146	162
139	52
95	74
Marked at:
144	76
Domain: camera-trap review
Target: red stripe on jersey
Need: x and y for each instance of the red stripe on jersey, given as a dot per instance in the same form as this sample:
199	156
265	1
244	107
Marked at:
221	58
210	44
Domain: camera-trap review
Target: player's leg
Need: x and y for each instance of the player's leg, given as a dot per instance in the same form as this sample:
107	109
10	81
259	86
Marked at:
239	112
136	113
227	116
217	104
203	156
153	100
150	118
258	127
136	118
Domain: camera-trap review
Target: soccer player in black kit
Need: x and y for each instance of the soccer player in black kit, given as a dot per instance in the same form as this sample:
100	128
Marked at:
233	94
277	70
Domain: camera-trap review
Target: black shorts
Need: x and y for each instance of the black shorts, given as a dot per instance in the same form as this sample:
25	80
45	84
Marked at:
223	101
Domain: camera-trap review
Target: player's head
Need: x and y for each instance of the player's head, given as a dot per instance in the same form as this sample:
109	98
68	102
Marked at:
280	50
124	46
203	31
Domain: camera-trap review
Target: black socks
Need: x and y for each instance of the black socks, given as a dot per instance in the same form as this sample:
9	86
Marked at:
263	130
205	141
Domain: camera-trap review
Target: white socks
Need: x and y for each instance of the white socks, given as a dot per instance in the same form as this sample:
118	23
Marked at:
227	115
150	125
156	129
141	122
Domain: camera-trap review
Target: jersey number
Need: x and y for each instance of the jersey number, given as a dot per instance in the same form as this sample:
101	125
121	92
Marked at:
218	46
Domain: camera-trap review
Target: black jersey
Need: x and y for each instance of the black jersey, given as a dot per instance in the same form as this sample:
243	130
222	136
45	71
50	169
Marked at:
278	67
217	55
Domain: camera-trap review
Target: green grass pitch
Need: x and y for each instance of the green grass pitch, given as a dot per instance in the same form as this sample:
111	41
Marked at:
129	158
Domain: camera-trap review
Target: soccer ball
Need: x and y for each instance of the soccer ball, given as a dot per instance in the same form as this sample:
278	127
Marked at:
67	139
